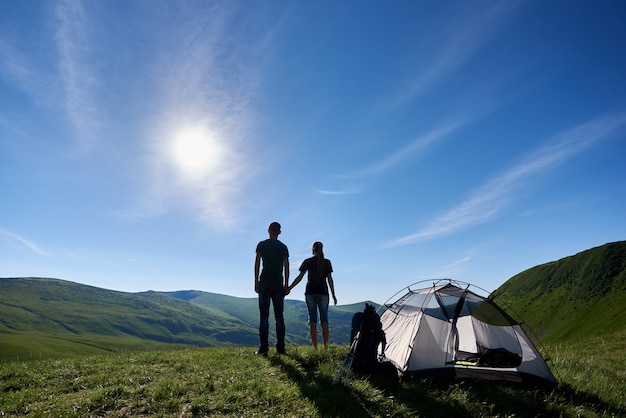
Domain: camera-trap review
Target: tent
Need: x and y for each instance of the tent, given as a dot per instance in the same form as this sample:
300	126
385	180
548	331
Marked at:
448	330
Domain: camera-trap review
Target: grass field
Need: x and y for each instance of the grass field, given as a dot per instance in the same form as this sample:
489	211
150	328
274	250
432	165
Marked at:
232	381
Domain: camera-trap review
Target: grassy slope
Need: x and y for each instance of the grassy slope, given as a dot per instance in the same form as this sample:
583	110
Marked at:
49	317
233	382
247	311
64	310
590	363
30	346
576	297
564	301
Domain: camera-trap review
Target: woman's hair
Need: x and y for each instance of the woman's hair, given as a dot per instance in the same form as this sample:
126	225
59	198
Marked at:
318	249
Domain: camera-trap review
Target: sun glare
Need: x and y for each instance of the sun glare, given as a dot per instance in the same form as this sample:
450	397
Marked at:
196	152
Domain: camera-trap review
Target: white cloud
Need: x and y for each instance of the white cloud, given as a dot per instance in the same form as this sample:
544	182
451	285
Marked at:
465	33
503	190
457	263
207	78
15	67
351	190
408	151
32	246
73	45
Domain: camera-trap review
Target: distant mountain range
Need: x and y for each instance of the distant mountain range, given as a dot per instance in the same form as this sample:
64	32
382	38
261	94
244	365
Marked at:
578	296
55	310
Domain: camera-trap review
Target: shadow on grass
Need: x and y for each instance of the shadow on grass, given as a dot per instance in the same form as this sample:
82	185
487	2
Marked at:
473	397
568	394
364	395
381	395
329	400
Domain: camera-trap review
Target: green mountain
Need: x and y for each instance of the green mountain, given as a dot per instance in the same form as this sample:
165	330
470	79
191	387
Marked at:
575	297
66	310
60	317
565	300
296	321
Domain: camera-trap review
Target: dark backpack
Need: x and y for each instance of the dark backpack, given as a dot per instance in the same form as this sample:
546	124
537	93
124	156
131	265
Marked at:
370	336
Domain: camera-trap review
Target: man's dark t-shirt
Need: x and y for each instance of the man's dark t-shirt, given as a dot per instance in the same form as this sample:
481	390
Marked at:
273	253
316	284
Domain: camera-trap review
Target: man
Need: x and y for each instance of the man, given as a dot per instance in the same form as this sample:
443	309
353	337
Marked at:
272	285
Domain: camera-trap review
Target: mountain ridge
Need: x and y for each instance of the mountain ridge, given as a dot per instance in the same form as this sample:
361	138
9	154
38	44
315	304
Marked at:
62	310
575	297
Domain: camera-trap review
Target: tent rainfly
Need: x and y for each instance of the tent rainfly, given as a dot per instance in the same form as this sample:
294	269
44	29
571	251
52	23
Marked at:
446	330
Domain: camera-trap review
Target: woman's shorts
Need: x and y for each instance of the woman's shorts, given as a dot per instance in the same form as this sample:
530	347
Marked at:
315	303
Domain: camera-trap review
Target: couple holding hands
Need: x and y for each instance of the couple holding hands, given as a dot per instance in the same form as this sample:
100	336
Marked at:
271	282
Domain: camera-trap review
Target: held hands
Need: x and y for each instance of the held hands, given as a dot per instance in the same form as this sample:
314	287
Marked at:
287	290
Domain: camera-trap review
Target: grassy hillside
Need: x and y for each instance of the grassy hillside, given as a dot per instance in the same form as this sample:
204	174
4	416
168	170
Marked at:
577	297
247	311
234	382
572	298
575	303
56	310
48	317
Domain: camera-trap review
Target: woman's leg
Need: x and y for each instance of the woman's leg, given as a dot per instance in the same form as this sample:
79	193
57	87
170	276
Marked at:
311	304
323	307
325	333
313	331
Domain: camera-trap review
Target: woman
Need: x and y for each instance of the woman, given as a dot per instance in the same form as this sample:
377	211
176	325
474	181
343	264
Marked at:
316	294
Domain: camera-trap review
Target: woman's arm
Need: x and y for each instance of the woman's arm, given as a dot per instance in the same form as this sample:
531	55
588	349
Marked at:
297	280
331	284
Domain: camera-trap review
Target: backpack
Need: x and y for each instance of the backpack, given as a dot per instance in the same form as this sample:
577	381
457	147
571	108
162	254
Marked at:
369	334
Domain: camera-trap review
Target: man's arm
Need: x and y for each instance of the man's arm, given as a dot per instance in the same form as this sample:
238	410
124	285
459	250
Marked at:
286	268
257	268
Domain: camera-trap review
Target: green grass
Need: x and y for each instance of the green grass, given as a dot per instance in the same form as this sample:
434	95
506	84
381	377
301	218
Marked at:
72	350
595	367
232	381
16	346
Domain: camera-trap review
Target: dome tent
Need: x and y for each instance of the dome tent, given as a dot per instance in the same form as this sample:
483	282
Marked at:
448	330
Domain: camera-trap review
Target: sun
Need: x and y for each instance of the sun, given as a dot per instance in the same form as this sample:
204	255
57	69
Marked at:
196	152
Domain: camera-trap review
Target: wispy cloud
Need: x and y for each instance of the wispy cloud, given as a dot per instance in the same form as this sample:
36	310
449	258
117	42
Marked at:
457	263
351	190
32	246
465	33
15	68
72	38
504	189
409	151
208	78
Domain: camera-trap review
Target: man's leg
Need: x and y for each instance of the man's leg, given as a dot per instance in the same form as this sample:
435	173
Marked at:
278	300
264	312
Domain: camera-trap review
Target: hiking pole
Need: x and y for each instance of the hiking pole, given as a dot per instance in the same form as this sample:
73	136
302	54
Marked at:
345	382
349	356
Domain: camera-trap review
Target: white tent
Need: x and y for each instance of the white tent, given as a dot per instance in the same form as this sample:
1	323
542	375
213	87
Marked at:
447	330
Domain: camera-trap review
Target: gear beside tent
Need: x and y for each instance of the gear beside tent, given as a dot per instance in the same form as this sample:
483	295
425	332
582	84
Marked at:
447	330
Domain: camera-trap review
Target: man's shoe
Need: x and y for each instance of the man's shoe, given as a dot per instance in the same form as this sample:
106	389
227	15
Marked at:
261	353
281	352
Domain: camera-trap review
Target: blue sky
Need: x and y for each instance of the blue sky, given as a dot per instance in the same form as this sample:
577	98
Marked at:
147	145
